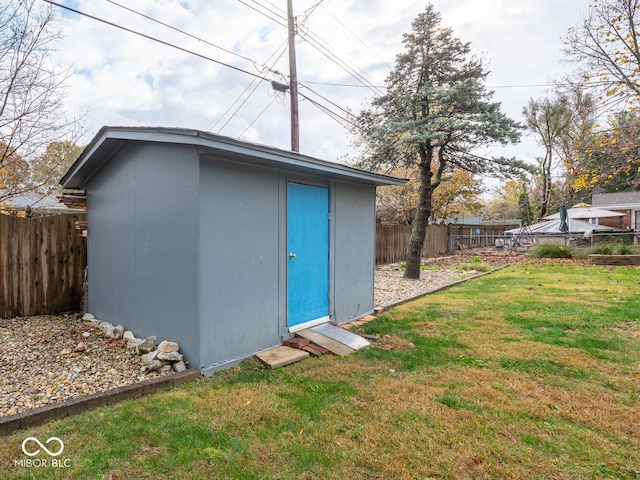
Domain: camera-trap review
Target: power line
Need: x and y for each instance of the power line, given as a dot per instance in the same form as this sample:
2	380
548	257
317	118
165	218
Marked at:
335	116
284	13
349	30
277	20
163	42
325	99
307	13
259	115
317	43
325	48
204	57
245	91
254	81
230	52
350	85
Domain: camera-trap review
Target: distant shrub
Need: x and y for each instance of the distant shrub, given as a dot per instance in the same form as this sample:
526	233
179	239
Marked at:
551	250
611	249
475	259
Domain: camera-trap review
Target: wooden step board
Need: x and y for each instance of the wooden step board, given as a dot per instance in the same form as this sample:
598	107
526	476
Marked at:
335	339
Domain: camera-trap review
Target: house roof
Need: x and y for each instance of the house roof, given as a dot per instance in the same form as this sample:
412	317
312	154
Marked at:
109	140
585	211
552	227
617	200
37	202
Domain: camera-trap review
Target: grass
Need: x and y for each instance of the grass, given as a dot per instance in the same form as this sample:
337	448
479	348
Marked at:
530	372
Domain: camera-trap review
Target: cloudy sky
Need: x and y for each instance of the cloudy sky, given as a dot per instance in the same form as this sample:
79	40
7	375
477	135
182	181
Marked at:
344	52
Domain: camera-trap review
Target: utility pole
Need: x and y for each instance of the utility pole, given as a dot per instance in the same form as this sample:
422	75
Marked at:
293	79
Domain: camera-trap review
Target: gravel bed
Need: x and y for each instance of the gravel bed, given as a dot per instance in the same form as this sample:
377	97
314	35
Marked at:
40	364
391	288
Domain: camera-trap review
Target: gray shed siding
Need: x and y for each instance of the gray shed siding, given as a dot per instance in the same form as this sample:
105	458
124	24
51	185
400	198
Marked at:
143	243
353	220
188	238
239	245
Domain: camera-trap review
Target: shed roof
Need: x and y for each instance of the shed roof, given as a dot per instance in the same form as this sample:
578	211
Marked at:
109	140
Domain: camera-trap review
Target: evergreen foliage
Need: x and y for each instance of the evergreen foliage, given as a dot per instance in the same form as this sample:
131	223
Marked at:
434	116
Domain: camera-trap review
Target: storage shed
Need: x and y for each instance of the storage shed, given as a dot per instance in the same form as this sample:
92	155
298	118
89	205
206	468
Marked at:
223	246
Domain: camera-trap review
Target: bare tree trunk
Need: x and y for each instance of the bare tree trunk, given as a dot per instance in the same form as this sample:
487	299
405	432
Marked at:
546	183
421	218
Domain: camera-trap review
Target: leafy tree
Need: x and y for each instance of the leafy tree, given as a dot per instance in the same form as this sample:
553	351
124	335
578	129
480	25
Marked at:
575	138
31	88
549	119
508	202
14	171
606	49
524	208
49	168
434	114
612	159
457	196
398	204
563	124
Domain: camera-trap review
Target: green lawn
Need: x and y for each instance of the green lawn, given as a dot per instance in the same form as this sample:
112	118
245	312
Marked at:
527	373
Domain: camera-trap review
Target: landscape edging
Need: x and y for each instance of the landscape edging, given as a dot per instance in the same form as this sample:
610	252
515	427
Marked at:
74	406
444	287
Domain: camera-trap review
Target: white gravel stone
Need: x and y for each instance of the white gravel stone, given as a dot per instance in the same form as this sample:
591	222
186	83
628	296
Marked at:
169	357
179	367
128	335
117	332
168	347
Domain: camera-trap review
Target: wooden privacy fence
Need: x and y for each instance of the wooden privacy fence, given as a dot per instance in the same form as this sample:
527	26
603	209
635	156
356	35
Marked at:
392	240
42	263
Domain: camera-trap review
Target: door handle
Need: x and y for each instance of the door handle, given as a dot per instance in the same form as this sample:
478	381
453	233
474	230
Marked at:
292	255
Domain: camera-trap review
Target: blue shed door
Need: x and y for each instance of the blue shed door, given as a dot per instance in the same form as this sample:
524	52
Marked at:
308	255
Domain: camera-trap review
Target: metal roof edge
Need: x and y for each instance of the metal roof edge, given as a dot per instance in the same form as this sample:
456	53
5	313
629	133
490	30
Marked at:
100	149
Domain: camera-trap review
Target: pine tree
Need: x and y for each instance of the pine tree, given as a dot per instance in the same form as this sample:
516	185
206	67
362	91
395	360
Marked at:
435	113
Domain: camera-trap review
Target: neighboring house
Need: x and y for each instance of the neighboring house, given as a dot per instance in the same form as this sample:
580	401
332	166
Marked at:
472	220
624	202
223	246
35	204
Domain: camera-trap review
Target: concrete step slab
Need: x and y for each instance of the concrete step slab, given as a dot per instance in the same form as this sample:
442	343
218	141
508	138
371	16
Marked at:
281	356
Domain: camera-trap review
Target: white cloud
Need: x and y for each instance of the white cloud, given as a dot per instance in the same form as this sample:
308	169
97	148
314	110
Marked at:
124	79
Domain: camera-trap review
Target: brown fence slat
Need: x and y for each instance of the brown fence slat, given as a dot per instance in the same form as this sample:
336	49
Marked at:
392	240
41	265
